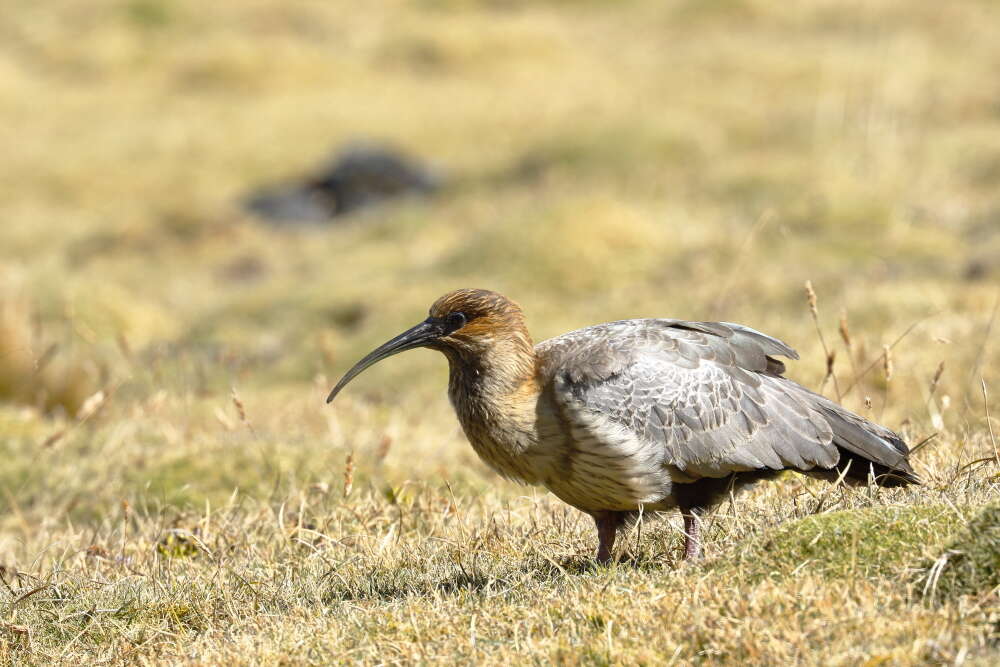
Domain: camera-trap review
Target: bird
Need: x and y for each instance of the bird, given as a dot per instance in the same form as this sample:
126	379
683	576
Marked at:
638	417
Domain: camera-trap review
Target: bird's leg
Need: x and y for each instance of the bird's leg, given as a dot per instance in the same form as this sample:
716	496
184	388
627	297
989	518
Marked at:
692	532
694	500
607	529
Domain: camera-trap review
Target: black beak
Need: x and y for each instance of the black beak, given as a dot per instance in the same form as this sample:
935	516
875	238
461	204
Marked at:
418	336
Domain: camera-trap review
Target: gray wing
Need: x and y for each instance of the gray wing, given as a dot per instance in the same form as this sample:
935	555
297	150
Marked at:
597	352
710	392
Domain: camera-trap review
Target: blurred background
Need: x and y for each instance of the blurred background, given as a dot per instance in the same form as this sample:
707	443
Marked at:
210	210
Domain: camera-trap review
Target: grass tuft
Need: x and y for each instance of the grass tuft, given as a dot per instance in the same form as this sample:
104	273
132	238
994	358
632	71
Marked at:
35	370
970	563
873	542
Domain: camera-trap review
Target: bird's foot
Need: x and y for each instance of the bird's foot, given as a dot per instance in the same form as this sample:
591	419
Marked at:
607	528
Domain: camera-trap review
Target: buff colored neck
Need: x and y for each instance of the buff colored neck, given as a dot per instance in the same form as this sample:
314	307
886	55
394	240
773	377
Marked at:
494	376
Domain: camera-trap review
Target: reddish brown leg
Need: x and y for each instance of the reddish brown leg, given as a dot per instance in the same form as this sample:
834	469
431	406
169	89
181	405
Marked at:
607	528
692	533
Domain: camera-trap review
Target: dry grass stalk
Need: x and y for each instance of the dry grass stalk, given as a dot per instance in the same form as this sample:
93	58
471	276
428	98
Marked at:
881	358
989	423
52	439
828	355
348	474
935	380
242	413
126	515
845	336
887	370
981	350
384	445
92	406
935	412
923	442
49	381
845	332
737	264
123	346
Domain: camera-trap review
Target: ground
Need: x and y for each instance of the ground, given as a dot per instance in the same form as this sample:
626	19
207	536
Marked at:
174	488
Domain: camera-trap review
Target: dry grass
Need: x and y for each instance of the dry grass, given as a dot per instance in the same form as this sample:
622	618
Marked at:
173	488
33	367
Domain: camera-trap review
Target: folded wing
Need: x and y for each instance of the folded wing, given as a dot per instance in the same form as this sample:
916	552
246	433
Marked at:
711	394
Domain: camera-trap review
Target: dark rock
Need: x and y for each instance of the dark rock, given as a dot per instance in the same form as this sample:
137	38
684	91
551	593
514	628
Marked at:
358	177
982	268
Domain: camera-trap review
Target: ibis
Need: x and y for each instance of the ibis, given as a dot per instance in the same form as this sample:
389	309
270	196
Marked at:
639	416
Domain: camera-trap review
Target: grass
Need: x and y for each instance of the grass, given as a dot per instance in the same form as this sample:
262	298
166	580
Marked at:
875	542
970	564
172	487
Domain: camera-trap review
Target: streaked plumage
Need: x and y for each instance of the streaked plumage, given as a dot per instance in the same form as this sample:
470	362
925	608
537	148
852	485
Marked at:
639	415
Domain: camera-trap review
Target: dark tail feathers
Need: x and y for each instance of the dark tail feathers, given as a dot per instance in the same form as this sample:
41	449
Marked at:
866	448
860	470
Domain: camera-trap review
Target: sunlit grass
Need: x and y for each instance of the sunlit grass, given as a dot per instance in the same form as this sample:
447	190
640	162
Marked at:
698	160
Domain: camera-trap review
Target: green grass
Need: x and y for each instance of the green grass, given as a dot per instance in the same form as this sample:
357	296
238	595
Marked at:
970	563
698	160
874	542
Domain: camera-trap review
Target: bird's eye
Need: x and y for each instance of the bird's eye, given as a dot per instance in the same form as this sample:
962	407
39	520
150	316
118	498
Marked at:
455	321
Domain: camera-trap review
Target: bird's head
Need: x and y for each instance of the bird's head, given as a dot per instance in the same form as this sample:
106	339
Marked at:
468	325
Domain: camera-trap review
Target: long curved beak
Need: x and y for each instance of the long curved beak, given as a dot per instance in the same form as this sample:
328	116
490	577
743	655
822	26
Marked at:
417	336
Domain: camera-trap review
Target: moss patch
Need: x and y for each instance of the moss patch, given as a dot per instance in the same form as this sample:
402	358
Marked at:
970	564
869	542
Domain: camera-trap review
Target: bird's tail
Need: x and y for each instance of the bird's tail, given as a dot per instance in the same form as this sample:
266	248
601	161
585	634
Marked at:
866	449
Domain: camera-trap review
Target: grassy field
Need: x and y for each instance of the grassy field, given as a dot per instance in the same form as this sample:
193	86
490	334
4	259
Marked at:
172	487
